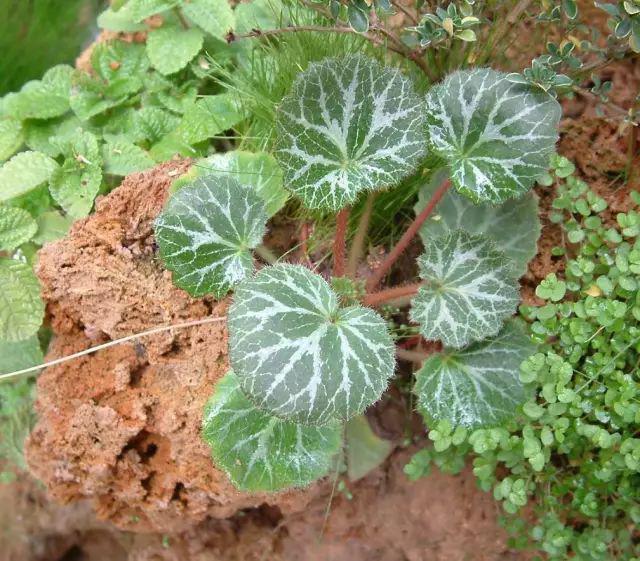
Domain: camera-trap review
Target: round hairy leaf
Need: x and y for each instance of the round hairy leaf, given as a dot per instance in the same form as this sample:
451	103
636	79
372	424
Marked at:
206	233
470	289
11	137
299	355
513	225
122	158
18	355
260	452
24	172
213	16
495	135
21	308
348	125
171	48
16	227
476	386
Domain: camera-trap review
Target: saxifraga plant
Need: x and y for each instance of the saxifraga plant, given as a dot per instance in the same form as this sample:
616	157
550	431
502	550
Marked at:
304	358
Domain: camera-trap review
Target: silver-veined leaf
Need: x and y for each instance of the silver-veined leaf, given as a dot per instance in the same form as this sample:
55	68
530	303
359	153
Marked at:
514	225
495	135
24	172
299	355
348	125
260	452
206	232
16	227
470	289
21	308
476	386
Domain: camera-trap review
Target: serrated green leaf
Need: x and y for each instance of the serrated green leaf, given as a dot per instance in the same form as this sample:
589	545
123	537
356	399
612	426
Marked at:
16	227
300	356
260	452
258	14
206	232
88	97
51	226
348	125
171	48
495	135
209	116
75	184
24	172
257	170
470	289
122	158
42	99
156	123
142	9
18	355
477	386
365	449
213	16
11	137
122	20
21	308
42	136
514	225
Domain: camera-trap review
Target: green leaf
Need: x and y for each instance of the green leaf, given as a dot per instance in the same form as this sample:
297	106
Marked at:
348	125
495	135
206	232
477	386
171	48
213	16
18	355
142	9
365	449
21	308
257	170
300	356
260	452
514	225
155	122
16	227
470	289
259	14
76	183
208	117
11	137
24	172
551	288
51	226
122	158
122	20
42	99
42	136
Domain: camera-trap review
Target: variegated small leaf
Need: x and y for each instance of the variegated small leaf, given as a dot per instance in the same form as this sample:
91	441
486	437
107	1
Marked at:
206	232
476	386
299	355
470	289
495	135
514	225
260	452
348	125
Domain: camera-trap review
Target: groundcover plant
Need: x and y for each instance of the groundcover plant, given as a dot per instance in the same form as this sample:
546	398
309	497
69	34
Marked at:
322	113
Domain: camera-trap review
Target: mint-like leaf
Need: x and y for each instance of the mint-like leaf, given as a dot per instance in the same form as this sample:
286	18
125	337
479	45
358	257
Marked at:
21	308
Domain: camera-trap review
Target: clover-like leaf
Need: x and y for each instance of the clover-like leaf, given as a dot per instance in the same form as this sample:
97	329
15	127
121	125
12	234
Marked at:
514	225
476	386
495	135
16	227
299	355
171	48
24	172
470	289
348	125
206	232
260	452
21	308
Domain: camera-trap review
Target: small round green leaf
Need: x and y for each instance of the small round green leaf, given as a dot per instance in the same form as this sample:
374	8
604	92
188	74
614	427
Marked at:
495	135
470	289
260	452
514	225
170	48
21	308
300	356
206	233
16	227
476	386
24	172
348	125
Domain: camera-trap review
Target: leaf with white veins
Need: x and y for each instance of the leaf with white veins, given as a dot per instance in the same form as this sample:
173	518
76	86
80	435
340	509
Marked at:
496	136
299	355
470	289
476	386
348	125
260	452
206	232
